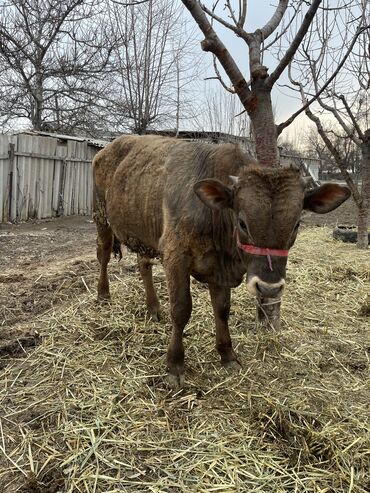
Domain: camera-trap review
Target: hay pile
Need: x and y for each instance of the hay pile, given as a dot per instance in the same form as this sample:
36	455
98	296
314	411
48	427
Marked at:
89	411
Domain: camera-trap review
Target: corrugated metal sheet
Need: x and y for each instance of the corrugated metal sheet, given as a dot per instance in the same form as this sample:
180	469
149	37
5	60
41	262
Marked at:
44	176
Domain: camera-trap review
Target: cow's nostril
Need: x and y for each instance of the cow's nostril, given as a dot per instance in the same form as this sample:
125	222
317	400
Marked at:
269	291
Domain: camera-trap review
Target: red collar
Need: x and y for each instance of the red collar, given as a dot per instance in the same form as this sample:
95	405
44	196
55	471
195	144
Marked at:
254	250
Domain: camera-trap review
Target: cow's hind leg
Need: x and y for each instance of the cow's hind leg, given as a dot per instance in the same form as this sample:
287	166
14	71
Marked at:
178	283
152	303
220	298
104	249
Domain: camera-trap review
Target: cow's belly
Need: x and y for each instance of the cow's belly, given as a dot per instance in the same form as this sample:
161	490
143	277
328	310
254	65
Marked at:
140	233
144	242
134	204
135	216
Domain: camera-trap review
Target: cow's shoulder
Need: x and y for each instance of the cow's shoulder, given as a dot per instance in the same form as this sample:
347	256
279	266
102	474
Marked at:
189	162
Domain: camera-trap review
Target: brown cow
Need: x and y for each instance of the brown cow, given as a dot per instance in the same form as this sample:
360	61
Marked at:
210	212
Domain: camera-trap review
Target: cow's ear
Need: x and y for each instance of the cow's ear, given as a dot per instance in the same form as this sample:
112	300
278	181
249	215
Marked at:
214	194
326	198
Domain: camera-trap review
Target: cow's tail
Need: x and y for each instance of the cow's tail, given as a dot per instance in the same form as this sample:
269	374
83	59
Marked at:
116	248
101	221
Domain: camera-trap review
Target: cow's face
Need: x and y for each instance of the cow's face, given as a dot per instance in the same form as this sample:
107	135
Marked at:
267	205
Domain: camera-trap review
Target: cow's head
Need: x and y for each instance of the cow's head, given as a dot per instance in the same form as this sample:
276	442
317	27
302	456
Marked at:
267	204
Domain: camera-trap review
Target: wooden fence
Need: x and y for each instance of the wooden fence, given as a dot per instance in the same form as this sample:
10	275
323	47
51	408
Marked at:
44	176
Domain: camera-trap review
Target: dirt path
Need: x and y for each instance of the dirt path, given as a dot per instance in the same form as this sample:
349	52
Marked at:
43	265
36	262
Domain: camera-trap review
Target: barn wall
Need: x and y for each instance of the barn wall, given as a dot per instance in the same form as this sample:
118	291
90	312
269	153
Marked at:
42	177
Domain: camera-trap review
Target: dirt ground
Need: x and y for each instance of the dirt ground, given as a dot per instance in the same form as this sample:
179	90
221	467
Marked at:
41	264
47	263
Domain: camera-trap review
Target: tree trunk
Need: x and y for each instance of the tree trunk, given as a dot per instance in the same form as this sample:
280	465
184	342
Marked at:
362	234
38	103
259	108
363	210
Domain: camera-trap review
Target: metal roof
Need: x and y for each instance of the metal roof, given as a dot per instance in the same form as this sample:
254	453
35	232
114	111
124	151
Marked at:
90	140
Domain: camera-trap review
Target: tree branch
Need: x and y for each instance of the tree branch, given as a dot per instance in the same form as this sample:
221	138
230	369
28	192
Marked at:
332	148
242	13
337	157
275	20
327	107
290	120
353	119
219	78
279	35
235	28
287	58
213	44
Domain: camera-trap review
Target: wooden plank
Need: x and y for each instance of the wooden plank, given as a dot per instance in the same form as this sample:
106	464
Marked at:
28	177
12	183
84	168
4	176
61	153
50	148
93	152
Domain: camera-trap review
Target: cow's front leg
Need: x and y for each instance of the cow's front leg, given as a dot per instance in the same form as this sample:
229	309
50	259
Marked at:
220	298
178	283
268	313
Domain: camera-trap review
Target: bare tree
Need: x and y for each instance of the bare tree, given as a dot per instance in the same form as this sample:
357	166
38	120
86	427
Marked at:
315	147
51	60
254	92
340	34
153	64
221	112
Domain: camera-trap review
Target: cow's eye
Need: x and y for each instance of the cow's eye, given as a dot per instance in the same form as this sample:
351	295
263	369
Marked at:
242	224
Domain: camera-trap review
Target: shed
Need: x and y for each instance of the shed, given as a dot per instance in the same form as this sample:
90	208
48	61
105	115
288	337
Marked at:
45	175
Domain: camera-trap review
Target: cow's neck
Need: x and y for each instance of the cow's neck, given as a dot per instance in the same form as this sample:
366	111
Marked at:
230	265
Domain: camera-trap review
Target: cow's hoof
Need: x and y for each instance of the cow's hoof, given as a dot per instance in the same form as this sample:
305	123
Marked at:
154	315
233	365
103	298
175	382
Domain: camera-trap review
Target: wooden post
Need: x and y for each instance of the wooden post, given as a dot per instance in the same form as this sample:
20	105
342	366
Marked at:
61	191
12	210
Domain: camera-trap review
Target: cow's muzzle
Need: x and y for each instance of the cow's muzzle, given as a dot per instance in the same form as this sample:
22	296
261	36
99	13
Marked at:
265	289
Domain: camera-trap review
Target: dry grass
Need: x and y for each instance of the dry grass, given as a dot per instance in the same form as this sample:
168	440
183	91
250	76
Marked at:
88	410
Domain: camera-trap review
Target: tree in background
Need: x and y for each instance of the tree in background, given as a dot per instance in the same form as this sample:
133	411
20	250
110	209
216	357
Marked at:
316	148
341	115
223	113
52	58
155	64
95	67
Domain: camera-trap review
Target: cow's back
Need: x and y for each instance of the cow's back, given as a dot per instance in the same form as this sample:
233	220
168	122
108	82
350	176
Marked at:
128	176
129	153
